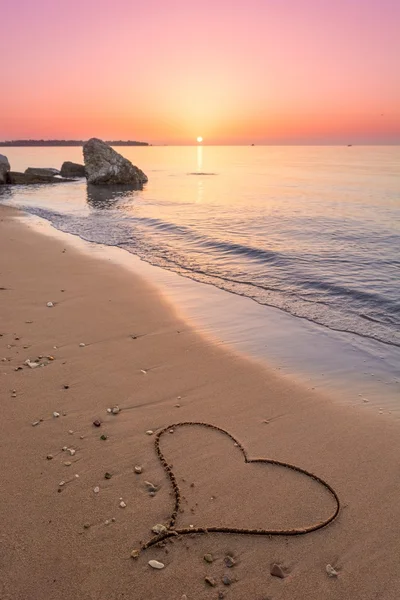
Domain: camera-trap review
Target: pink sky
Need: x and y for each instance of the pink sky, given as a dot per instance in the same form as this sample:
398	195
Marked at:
233	71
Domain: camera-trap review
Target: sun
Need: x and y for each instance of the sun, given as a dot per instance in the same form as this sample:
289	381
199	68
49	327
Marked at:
199	139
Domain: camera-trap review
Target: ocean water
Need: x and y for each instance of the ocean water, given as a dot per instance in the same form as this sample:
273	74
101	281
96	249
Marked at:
312	231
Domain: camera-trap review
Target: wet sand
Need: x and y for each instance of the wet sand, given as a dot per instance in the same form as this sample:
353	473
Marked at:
139	355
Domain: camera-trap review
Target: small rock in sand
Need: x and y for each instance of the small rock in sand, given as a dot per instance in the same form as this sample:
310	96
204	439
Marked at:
107	475
331	571
97	423
115	410
122	504
159	528
277	571
109	410
208	558
68	463
155	564
35	423
86	525
49	457
66	387
64	448
226	580
82	345
50	304
96	489
135	554
56	414
211	581
149	432
138	470
150	486
229	561
103	436
71	451
70	432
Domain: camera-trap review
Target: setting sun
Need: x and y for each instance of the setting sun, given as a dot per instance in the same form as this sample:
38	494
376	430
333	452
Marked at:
199	139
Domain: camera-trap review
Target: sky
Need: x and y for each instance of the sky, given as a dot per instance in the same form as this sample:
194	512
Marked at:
232	71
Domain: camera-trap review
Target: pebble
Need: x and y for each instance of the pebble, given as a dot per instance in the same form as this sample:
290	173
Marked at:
135	554
82	345
31	364
97	423
171	431
68	463
177	405
50	304
96	489
229	561
86	525
64	448
150	486
56	414
331	571
107	475
226	580
277	571
103	436
138	470
155	564
122	504
159	528
109	410
210	581
71	451
115	410
61	483
35	423
49	457
208	558
66	387
149	432
70	432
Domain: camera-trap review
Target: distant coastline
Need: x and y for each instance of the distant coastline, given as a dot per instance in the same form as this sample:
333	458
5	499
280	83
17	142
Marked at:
12	143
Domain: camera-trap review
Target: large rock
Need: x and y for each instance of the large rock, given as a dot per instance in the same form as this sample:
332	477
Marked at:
42	171
4	169
16	178
70	169
104	166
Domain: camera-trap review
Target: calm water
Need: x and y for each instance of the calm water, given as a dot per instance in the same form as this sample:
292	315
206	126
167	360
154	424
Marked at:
314	231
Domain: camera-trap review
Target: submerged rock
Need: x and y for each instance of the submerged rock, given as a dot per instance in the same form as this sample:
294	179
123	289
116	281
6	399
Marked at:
16	178
50	172
71	169
104	166
4	169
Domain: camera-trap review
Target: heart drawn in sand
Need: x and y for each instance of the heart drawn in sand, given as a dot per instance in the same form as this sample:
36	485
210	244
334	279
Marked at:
172	531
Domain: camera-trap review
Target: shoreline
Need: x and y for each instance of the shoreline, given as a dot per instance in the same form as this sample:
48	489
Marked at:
141	356
344	366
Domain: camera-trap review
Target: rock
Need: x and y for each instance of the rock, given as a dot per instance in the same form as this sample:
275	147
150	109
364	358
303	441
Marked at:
277	571
135	554
35	423
104	166
138	470
229	561
96	489
149	432
4	169
17	178
122	504
71	169
68	463
103	437
86	525
97	423
208	558
49	457
56	414
31	364
42	171
71	451
331	571
226	580
151	487
50	305
159	528
82	345
107	475
155	564
210	581
115	410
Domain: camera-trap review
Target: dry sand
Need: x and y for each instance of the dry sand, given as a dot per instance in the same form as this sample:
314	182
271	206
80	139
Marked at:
127	328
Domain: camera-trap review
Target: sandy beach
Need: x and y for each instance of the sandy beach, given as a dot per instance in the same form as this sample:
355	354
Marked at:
71	518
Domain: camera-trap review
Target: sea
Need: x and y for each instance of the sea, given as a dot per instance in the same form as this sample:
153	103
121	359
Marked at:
299	240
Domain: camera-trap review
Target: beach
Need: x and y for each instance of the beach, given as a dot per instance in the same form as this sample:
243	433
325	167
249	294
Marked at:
110	340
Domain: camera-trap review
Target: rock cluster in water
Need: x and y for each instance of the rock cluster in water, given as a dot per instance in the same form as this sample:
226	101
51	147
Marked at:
103	166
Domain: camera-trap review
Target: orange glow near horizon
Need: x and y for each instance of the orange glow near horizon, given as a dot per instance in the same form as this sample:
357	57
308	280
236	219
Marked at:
300	71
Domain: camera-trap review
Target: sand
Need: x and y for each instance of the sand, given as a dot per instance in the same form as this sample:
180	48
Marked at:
140	355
